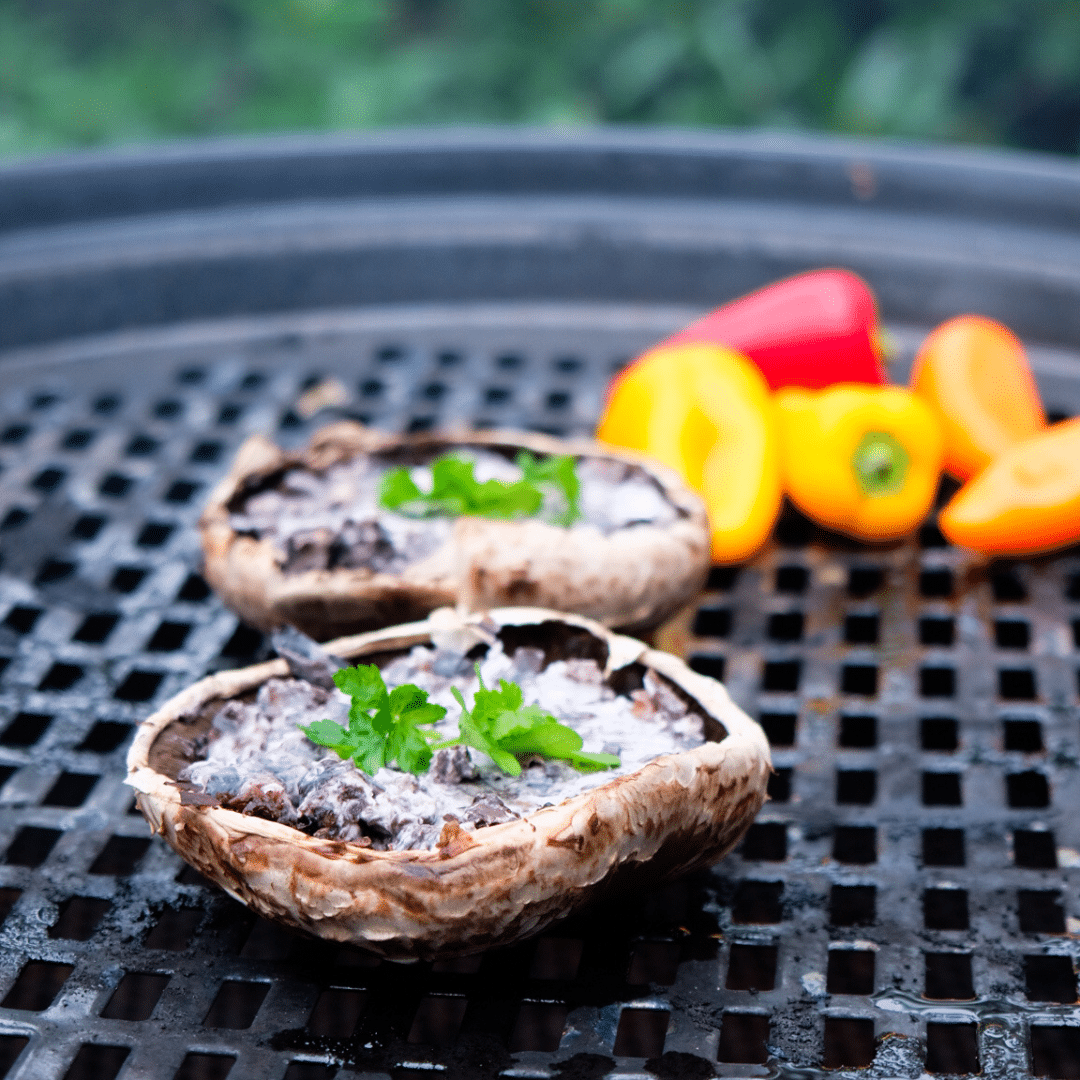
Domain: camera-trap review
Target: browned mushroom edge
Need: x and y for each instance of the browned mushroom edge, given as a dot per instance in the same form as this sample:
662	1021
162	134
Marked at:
631	579
474	890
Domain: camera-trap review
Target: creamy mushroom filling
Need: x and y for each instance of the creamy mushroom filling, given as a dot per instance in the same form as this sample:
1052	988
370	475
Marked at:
257	761
319	521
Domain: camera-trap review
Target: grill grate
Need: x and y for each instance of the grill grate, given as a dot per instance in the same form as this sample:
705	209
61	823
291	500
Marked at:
907	899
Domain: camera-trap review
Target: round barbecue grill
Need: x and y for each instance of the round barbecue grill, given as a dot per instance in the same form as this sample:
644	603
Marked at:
907	902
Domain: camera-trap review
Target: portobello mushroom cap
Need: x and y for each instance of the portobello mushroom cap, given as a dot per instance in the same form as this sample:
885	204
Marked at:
631	579
474	890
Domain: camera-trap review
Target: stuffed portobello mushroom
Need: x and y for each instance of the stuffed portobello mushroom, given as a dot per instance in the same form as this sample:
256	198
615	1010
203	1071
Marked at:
346	536
551	762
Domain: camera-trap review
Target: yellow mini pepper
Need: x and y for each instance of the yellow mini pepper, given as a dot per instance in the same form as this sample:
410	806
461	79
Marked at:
858	459
706	412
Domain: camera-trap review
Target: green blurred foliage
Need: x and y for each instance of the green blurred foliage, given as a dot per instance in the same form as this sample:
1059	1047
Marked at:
83	72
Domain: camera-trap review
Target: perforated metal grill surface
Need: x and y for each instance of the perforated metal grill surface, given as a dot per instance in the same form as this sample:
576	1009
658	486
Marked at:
906	903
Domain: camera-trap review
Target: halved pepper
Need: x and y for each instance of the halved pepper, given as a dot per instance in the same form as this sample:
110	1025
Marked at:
861	460
706	412
1025	501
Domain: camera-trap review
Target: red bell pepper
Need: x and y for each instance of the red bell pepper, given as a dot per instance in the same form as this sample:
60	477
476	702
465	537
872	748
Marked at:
811	330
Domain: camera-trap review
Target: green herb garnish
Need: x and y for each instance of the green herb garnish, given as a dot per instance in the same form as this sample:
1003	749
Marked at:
504	728
456	492
384	727
388	726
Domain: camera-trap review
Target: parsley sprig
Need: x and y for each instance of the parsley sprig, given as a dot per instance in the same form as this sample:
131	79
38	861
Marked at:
456	492
387	727
384	726
504	728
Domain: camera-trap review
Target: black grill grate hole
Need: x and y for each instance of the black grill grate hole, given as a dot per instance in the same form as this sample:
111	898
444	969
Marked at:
937	682
509	362
168	637
9	897
230	413
858	732
556	958
136	996
853	905
945	909
37	985
939	733
107	404
641	1033
449	359
943	847
765	842
420	423
53	570
1012	634
196	1066
438	1020
778	787
751	967
937	631
336	1013
11	1046
21	619
850	971
252	380
70	789
857	787
96	1061
127	579
115	485
849	1043
43	401
94	629
6	773
568	365
1007	587
142	446
268	941
1023	735
1034	849
31	846
792	579
948	977
88	526
48	480
787	626
941	789
859	679
139	686
723	578
14	434
1017	684
174	930
120	855
864	581
1050	978
181	491
952	1048
855	844
1027	790
743	1038
559	399
704	664
105	737
79	918
236	1004
497	395
1076	633
862	629
781	676
712	622
539	1027
936	584
15	517
1055	1051
25	729
1040	911
757	902
169	409
191	376
245	641
653	962
779	728
194	590
435	391
207	453
154	534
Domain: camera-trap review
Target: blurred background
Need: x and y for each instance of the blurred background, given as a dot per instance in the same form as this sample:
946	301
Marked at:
98	72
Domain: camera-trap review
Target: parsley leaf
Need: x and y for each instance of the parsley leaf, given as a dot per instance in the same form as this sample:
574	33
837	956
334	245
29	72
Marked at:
501	726
384	726
455	491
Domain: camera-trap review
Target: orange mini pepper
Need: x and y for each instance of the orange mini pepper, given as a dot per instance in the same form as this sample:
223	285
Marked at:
1025	501
975	374
705	411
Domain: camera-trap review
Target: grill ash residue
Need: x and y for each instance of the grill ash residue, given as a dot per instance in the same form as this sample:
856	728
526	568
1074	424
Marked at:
258	762
319	521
